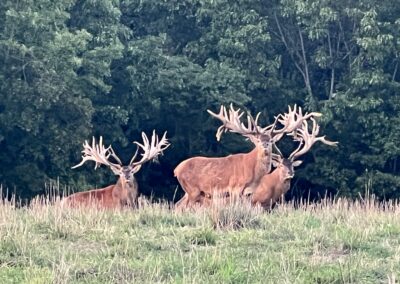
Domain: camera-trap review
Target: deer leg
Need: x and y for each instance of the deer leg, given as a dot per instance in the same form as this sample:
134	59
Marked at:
265	199
182	203
205	199
188	201
194	197
191	197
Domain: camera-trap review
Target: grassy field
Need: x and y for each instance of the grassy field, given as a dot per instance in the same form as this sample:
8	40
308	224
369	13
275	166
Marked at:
329	242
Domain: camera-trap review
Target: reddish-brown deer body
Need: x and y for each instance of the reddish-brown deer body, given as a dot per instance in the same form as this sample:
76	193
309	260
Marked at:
234	173
274	185
113	196
103	198
125	192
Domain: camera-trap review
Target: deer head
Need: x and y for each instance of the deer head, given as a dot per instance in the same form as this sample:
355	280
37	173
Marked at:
306	139
285	166
102	155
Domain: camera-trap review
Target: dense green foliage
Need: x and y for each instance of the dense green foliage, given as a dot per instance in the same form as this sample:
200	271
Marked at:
76	68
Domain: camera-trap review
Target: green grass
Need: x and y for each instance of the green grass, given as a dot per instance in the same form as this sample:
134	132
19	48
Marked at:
331	242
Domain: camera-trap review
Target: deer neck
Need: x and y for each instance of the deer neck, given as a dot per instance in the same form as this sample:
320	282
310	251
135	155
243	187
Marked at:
264	158
124	190
283	183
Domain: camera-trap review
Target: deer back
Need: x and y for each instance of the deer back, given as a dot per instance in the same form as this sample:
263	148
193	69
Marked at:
234	172
113	196
102	197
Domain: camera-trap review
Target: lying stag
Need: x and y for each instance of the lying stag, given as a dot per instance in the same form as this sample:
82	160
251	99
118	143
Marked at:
274	185
201	177
125	191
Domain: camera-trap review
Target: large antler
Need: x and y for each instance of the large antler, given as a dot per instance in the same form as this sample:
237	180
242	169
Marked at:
293	120
231	121
151	149
99	154
307	139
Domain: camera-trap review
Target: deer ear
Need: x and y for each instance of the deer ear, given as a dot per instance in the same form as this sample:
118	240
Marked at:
275	163
116	171
136	169
253	139
297	163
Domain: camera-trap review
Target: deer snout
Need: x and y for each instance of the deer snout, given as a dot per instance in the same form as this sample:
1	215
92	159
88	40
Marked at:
289	177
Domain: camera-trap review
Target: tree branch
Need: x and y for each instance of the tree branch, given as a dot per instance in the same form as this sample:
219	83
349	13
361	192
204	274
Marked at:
282	36
307	78
395	71
332	67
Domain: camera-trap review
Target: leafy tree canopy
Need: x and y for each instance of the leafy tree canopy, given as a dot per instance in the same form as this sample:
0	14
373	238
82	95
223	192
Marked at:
73	69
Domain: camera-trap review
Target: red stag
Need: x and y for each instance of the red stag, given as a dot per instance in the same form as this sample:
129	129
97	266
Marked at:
202	177
125	191
274	185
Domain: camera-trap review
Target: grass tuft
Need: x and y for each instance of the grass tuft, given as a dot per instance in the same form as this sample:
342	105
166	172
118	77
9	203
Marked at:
203	237
234	215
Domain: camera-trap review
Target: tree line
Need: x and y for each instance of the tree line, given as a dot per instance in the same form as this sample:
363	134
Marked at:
73	69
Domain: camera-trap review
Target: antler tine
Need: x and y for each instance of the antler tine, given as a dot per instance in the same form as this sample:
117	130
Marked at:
231	121
221	115
276	157
295	152
220	130
270	130
134	156
308	139
112	154
255	123
284	119
257	117
251	125
151	148
277	149
321	138
288	120
236	113
292	121
234	120
98	153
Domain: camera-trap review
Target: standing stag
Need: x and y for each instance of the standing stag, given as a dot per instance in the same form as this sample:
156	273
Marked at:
202	178
125	191
274	185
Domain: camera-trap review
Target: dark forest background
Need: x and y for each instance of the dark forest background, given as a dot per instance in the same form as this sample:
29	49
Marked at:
72	69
